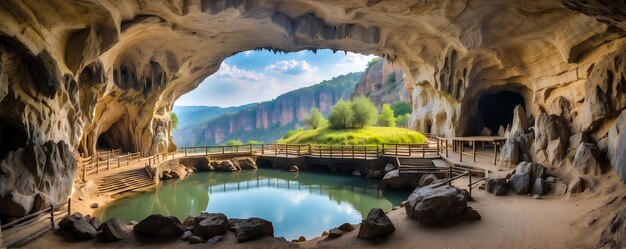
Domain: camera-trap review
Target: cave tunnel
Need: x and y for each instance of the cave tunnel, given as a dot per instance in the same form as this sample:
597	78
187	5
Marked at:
12	138
496	109
116	137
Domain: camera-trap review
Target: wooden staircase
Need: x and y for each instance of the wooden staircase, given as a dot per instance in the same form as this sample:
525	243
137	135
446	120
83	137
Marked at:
419	166
124	181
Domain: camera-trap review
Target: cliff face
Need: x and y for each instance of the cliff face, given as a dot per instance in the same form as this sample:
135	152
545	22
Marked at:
267	121
383	83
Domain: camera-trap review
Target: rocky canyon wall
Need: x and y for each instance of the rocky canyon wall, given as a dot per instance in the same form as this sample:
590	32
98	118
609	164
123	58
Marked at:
383	83
106	73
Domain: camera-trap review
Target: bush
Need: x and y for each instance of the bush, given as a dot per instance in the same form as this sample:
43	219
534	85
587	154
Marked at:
315	119
254	142
386	118
291	132
341	116
364	112
233	142
401	108
391	78
174	119
403	120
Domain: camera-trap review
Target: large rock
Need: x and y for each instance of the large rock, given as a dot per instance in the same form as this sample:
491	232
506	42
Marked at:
520	183
520	122
294	168
551	136
613	235
435	205
16	204
427	179
228	166
254	228
540	187
246	163
83	230
393	179
376	225
113	230
534	170
577	185
389	167
213	225
160	226
41	201
588	160
510	153
496	186
67	221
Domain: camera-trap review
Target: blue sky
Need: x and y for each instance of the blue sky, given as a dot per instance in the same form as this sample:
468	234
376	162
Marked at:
256	76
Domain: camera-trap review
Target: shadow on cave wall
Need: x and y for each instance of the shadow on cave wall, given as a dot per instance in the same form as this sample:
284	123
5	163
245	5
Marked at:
494	110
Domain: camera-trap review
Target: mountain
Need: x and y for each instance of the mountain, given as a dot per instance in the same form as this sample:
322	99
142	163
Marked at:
192	115
268	121
383	83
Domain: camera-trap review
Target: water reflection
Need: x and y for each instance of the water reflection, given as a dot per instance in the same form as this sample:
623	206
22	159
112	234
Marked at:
296	203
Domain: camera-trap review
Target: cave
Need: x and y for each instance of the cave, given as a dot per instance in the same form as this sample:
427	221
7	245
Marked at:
496	109
12	138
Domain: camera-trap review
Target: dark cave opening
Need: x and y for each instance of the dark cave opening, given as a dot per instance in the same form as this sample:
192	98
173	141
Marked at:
496	109
12	138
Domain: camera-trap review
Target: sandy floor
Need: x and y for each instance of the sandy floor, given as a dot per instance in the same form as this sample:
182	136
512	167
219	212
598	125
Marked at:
507	222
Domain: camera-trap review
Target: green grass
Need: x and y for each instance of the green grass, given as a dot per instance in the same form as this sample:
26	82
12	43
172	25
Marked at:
366	136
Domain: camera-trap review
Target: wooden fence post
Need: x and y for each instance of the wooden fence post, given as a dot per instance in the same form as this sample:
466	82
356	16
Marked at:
331	151
352	151
108	162
52	215
250	148
470	184
69	206
128	159
262	149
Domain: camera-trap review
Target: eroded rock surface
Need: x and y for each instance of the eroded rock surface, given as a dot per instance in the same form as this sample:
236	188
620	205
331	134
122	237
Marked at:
433	205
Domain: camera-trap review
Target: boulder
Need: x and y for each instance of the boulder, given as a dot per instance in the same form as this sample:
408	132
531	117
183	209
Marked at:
588	159
16	204
160	226
534	170
233	223
471	215
486	132
41	201
389	167
83	230
427	179
575	140
520	183
95	222
376	224
577	186
113	230
253	228
213	240
374	174
196	240
346	227
246	163
552	136
228	166
520	122
213	225
335	233
435	205
66	222
393	179
540	187
560	189
356	173
509	153
496	186
186	235
294	168
94	205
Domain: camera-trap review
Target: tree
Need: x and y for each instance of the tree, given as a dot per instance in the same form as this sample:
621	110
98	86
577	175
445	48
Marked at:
233	142
174	120
401	108
254	142
386	117
315	119
364	112
342	115
403	120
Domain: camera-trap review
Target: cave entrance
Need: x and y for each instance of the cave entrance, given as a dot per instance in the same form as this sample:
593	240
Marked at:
496	109
12	138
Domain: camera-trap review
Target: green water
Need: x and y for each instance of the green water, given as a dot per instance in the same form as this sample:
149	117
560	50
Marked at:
296	203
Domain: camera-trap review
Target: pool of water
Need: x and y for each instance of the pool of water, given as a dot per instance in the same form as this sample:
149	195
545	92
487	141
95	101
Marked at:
296	203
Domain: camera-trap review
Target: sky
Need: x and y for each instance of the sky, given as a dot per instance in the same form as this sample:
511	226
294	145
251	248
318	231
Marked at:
256	76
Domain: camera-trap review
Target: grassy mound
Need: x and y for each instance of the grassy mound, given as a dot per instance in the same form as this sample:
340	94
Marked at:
365	136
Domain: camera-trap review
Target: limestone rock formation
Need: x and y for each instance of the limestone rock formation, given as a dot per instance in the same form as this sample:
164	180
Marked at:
113	230
588	159
253	228
376	225
383	83
432	205
160	226
212	225
616	145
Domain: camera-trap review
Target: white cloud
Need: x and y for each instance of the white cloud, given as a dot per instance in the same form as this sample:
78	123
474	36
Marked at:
292	67
356	62
247	53
233	72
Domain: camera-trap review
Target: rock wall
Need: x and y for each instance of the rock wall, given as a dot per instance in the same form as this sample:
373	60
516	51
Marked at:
104	72
383	83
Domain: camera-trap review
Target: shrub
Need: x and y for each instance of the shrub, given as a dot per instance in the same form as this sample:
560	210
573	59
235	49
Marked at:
254	142
391	78
174	119
291	133
401	108
364	112
386	118
315	119
403	120
341	116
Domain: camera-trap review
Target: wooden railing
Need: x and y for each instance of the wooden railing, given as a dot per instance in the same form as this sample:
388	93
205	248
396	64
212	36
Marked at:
105	161
12	229
407	149
344	151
